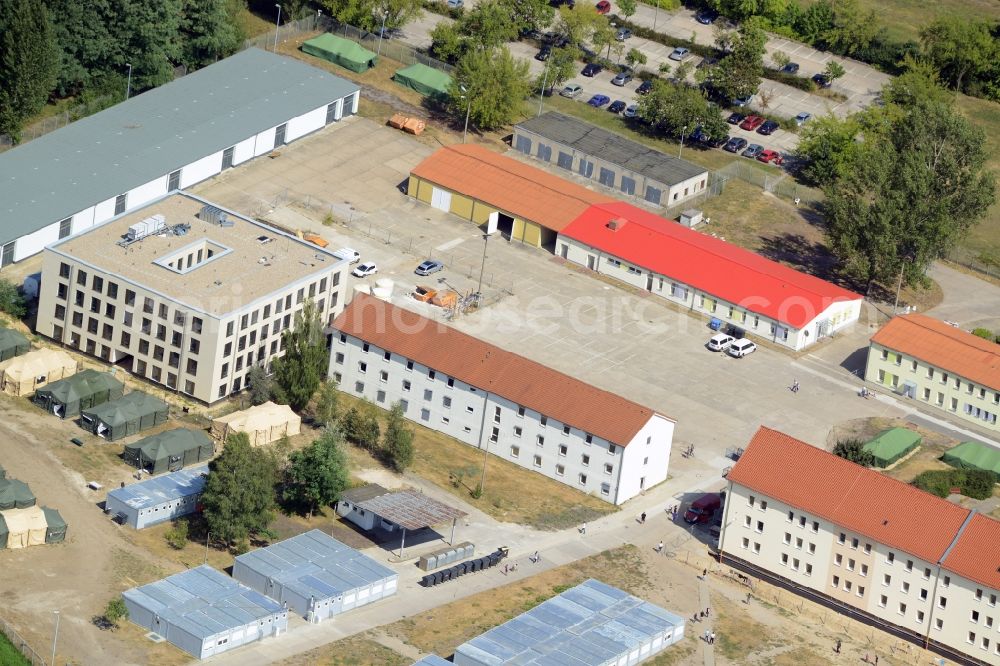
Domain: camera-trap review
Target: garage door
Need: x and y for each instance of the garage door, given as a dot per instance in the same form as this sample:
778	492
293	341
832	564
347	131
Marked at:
441	199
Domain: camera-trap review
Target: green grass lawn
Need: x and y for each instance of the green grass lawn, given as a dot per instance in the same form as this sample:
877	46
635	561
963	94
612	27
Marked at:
986	236
903	19
9	654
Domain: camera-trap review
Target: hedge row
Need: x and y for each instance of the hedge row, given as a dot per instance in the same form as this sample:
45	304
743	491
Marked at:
975	483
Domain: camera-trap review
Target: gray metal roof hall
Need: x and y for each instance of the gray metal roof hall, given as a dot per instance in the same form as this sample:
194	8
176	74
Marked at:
592	624
152	134
610	147
315	575
158	499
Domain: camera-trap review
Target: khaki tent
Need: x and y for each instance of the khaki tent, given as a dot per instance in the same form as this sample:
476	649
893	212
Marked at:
263	423
15	494
12	344
169	451
22	375
83	390
126	416
55	530
25	527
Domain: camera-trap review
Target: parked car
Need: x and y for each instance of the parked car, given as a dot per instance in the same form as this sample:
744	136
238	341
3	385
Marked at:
544	53
598	101
603	7
699	135
718	142
644	87
592	69
707	62
750	123
623	34
455	4
790	68
365	269
770	157
741	348
735	118
803	118
621	78
720	342
429	266
822	80
706	16
703	509
617	106
753	150
572	90
768	128
348	253
736	144
679	53
631	111
743	101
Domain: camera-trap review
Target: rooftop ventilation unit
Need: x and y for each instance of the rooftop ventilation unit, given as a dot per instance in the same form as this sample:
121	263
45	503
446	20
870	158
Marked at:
214	215
147	227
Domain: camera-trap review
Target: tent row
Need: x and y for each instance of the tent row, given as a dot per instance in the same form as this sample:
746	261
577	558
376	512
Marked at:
974	455
12	343
128	415
169	451
25	374
84	390
31	526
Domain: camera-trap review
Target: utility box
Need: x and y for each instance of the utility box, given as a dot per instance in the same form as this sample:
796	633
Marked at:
691	218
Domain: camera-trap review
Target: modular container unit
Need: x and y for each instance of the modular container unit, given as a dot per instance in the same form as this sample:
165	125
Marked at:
158	499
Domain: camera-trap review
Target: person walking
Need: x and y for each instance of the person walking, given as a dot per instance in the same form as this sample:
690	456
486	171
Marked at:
707	635
837	647
795	386
711	639
642	518
583	528
659	548
748	599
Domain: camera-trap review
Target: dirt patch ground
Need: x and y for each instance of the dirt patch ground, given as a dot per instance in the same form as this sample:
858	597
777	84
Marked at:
932	445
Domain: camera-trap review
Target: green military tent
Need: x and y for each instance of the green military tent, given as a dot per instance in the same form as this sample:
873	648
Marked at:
425	80
55	532
69	396
344	52
3	473
132	413
12	344
4	532
892	445
15	494
169	451
974	455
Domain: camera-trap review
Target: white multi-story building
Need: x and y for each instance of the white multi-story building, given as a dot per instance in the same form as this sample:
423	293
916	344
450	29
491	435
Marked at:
517	409
194	304
867	545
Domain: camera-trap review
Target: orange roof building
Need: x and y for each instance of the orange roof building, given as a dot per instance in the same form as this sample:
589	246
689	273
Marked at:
487	397
939	365
865	543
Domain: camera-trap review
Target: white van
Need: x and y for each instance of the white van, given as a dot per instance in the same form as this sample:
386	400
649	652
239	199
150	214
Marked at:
348	253
740	348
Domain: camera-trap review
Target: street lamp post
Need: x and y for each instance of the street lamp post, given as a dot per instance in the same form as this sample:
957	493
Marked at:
541	95
683	132
55	638
128	86
468	110
381	33
482	268
277	25
656	14
613	24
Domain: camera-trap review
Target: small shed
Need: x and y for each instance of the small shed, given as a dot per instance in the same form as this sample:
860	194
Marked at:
158	499
403	510
55	526
25	527
15	494
86	389
892	445
25	374
974	455
262	423
347	505
170	450
315	575
132	413
425	80
344	52
12	343
204	612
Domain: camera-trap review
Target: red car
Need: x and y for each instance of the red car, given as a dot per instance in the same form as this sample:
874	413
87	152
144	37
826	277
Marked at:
603	7
771	157
750	123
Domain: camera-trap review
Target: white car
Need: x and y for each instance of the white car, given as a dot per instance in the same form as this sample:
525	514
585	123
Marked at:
720	342
365	269
740	348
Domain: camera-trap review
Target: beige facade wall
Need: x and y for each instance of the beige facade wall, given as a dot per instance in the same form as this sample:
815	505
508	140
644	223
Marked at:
934	386
967	617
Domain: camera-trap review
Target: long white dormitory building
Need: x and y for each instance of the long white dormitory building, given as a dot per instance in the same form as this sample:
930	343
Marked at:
489	398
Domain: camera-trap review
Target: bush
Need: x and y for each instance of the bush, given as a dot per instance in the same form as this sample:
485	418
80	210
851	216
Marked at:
853	450
790	79
115	612
177	536
974	483
12	300
984	333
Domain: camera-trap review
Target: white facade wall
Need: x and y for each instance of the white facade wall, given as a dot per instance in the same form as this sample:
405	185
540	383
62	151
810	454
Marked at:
363	519
145	193
200	170
903	589
677	194
244	150
306	123
264	143
969	619
146	517
523	437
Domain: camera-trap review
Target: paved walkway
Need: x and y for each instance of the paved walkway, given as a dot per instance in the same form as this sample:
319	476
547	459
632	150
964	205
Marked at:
706	602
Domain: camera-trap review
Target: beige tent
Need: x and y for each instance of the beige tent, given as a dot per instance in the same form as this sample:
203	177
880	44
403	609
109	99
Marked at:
263	423
26	527
22	375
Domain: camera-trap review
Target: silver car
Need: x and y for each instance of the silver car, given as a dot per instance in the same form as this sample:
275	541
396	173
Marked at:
572	91
679	53
429	266
631	111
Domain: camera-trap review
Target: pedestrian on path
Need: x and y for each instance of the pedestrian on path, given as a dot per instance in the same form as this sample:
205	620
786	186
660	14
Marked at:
659	548
795	386
837	647
748	599
711	639
707	636
642	518
583	528
708	611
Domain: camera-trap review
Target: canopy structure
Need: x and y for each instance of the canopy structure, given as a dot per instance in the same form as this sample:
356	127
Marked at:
12	344
85	389
25	527
170	450
974	455
135	412
263	423
892	445
22	375
425	80
15	494
55	526
344	52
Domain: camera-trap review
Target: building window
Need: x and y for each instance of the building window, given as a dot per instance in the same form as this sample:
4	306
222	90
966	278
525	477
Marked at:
539	440
380	396
517	431
605	489
120	203
406	383
515	451
562	449
608	468
745	543
495	435
359	387
560	470
583	479
585	460
65	228
446	401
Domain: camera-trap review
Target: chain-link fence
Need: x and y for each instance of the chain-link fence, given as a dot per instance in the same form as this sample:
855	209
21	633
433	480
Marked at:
52	123
780	184
21	644
987	263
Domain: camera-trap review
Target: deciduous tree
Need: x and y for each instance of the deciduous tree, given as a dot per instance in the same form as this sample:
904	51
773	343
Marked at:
491	86
298	373
829	146
318	473
627	8
115	612
29	62
738	74
327	404
852	29
209	31
960	48
397	443
854	450
258	385
834	70
636	57
239	497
